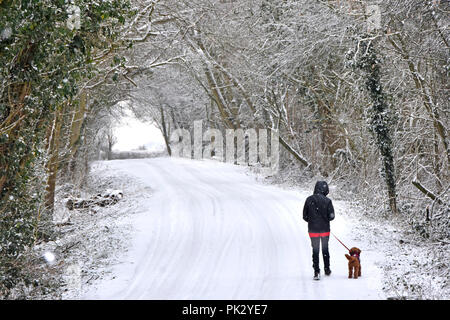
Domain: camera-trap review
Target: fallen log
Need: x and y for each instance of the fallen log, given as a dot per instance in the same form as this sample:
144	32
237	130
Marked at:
110	197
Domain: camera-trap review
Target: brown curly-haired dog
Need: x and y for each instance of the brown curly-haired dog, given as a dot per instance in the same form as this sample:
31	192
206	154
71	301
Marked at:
354	263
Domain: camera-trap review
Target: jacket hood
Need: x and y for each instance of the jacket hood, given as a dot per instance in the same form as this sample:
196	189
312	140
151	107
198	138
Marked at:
321	188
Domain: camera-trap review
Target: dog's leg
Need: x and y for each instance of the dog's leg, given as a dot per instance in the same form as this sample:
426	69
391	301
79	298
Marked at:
350	272
359	271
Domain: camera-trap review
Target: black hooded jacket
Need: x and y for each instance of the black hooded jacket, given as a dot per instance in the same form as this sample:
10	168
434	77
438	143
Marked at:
318	210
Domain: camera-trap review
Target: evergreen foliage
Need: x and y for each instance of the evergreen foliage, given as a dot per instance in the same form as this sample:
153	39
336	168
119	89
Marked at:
381	119
43	63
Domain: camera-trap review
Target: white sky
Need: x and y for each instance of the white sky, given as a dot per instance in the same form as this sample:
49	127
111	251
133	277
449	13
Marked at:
132	133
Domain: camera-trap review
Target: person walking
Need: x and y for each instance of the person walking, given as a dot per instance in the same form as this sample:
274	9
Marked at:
318	212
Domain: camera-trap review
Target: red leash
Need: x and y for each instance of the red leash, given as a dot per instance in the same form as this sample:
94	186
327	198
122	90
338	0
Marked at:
340	241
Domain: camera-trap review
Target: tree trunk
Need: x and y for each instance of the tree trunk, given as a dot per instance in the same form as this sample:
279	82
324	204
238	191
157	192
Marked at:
380	117
53	152
425	191
75	130
293	152
164	131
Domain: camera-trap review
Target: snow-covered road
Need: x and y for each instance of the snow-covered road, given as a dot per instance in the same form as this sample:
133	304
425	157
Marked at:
211	231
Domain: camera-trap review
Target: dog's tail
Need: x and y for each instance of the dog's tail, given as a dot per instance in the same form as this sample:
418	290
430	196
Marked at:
349	257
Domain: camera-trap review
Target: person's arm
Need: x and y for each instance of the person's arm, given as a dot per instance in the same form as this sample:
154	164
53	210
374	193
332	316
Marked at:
330	211
305	211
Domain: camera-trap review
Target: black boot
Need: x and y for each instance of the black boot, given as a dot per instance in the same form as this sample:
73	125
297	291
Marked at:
327	271
316	275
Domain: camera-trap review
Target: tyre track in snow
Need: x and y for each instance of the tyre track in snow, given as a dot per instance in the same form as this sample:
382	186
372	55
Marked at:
210	231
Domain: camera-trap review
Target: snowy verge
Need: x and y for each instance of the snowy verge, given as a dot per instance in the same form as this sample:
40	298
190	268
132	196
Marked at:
92	239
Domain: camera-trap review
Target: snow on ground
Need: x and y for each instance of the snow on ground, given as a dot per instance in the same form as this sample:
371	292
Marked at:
92	240
414	268
190	229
